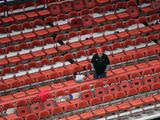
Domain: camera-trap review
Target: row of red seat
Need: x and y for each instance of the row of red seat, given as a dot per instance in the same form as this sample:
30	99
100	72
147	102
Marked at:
60	88
117	108
108	27
124	56
87	99
74	45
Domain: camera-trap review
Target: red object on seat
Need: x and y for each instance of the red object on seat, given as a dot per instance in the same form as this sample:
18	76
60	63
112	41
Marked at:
44	95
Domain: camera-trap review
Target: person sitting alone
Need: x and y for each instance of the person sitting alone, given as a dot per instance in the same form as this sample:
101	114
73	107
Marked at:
100	62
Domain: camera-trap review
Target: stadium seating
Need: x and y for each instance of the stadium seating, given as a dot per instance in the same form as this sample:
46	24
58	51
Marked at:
44	43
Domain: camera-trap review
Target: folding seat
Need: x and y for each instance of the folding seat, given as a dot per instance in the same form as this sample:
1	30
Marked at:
139	55
56	110
32	65
132	26
156	70
6	70
95	101
123	78
124	106
111	109
48	40
17	9
151	38
62	21
116	47
124	86
69	107
14	29
121	10
57	61
155	86
82	104
87	21
41	78
148	100
149	80
7	19
36	107
128	45
3	86
48	105
142	25
144	88
31	116
78	5
26	27
66	7
19	67
21	103
30	6
74	40
43	114
73	117
38	25
112	89
120	94
118	70
146	6
89	3
11	49
110	13
140	42
109	33
147	72
35	43
86	95
120	29
97	34
55	9
98	15
49	21
84	87
132	92
85	37
86	115
136	83
3	32
62	38
23	111
153	18
111	80
91	52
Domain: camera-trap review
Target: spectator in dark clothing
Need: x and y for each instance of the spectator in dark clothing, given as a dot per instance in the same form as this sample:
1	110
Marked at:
100	62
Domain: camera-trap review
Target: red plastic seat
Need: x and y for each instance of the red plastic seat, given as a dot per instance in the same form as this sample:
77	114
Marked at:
86	115
23	111
122	5
99	92
148	9
69	107
78	5
36	108
31	117
120	94
82	104
66	7
89	3
100	18
144	88
95	101
112	89
132	91
110	17
87	95
56	110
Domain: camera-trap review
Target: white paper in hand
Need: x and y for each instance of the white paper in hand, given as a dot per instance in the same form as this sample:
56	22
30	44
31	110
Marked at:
79	78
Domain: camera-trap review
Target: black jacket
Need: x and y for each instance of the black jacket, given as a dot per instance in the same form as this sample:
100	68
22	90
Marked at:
100	63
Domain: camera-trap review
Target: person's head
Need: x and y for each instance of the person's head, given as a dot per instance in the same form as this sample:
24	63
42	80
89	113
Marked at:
100	51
